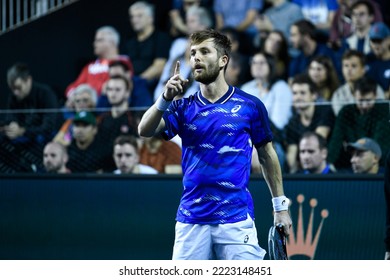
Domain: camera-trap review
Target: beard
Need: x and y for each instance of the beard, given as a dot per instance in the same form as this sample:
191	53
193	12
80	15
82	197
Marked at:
207	76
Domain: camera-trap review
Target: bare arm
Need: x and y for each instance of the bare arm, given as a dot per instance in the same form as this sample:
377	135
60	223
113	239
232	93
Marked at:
154	71
249	19
273	176
152	122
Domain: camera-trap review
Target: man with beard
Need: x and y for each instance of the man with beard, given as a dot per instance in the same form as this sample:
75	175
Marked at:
313	153
307	116
219	126
55	158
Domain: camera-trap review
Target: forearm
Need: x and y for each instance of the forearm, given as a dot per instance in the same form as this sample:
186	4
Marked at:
250	18
154	71
271	169
151	122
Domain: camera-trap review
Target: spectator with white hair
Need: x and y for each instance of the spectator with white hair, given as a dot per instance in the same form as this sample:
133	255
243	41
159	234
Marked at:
95	73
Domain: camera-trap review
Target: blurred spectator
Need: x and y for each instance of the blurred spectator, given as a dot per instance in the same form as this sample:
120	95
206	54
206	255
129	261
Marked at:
233	70
164	156
366	118
87	152
55	158
379	66
239	56
177	16
342	26
276	45
279	16
313	152
149	48
120	119
197	18
30	123
303	37
323	74
353	68
362	14
241	16
140	95
126	156
277	98
84	98
366	154
271	90
307	117
95	73
319	12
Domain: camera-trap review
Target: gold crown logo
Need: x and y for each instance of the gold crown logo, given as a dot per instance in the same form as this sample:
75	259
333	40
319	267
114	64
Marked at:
300	244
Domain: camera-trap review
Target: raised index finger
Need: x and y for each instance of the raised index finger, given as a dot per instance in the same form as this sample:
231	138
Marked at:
177	68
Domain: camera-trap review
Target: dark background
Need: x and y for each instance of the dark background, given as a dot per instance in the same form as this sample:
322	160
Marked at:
58	45
133	217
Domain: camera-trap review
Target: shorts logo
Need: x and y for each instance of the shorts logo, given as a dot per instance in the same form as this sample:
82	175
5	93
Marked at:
246	239
236	108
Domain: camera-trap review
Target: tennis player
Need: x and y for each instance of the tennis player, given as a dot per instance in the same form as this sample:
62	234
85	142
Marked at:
218	125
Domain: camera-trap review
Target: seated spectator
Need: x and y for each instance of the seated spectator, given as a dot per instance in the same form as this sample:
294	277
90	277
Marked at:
307	117
177	16
379	65
197	18
366	154
84	98
25	133
240	15
271	90
353	66
276	45
55	158
362	17
140	95
87	152
164	156
120	119
366	118
279	16
126	157
323	74
95	74
313	152
149	48
342	25
320	13
303	37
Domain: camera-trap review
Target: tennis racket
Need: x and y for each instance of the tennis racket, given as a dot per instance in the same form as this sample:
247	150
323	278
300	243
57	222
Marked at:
277	243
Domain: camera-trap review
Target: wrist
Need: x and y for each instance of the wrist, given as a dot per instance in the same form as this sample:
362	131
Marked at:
162	104
280	203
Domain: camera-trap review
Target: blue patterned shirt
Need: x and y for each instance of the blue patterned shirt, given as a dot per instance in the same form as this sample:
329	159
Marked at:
217	142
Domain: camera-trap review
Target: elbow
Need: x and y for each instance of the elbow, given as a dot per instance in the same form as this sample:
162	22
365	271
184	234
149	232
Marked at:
144	132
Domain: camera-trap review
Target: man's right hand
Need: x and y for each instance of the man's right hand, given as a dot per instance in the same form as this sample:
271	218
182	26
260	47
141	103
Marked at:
175	84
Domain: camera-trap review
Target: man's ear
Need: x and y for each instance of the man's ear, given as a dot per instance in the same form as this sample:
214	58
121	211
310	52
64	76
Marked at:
223	61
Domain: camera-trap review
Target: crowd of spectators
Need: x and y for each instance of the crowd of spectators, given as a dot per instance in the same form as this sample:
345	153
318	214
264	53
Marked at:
322	71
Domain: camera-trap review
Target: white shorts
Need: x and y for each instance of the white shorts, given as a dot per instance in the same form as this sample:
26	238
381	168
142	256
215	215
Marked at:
235	241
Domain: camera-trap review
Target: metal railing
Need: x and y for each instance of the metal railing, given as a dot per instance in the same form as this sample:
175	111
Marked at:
15	13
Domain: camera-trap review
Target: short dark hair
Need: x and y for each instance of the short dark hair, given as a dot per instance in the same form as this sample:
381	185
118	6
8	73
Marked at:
366	3
124	79
365	86
126	139
321	140
306	27
354	53
303	78
16	71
